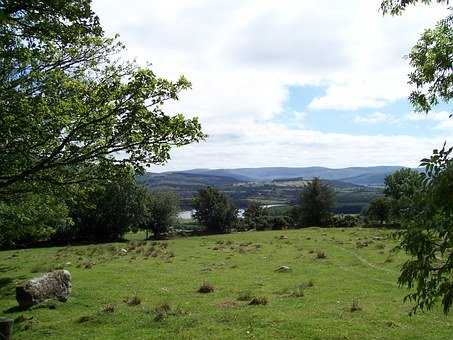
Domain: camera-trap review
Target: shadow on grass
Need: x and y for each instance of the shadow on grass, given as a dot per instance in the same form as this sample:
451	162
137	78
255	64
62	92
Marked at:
14	309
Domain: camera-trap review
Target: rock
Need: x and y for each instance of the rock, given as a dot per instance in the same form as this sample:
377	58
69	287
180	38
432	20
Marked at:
283	269
6	328
53	285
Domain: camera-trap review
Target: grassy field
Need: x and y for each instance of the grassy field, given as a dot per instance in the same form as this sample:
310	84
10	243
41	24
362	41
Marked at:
312	300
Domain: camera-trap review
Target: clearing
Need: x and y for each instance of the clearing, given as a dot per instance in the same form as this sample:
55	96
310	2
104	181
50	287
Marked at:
152	291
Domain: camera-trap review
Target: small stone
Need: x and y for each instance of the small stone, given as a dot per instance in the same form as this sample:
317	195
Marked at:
283	269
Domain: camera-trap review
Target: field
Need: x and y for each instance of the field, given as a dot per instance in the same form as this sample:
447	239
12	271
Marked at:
151	292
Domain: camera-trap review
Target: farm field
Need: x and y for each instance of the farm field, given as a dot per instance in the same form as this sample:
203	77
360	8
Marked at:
151	292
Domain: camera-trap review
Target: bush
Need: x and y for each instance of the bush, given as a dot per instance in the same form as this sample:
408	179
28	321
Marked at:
344	221
258	300
206	287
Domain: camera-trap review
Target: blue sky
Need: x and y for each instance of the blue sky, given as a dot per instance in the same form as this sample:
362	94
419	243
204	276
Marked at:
288	82
395	118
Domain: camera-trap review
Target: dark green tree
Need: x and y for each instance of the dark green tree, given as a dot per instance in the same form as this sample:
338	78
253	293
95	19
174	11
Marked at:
317	200
162	208
67	102
428	236
256	217
105	211
379	210
32	218
401	187
214	210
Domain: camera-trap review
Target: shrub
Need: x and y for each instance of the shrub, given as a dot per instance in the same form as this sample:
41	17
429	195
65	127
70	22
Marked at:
206	287
258	300
245	296
355	306
108	308
344	221
133	300
161	311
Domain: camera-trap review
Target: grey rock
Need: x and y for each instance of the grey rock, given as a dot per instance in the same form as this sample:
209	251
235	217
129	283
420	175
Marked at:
52	285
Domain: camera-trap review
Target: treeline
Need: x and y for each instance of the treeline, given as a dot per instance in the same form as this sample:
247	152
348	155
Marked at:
95	211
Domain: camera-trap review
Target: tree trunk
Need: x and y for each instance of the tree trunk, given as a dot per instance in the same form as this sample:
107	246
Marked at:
6	329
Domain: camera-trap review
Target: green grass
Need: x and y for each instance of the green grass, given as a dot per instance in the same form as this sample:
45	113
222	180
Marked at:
311	300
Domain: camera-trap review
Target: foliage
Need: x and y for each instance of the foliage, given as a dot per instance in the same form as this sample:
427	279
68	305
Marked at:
400	188
379	209
31	218
344	221
67	101
427	236
427	233
317	199
103	212
214	210
256	216
161	210
396	7
430	59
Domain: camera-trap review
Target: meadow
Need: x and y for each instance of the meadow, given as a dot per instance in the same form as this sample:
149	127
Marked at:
297	284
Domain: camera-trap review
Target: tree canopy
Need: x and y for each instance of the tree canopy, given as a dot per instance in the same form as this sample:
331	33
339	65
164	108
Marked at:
317	199
396	7
68	103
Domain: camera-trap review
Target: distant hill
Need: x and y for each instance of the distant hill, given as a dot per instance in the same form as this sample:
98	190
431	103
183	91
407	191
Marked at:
367	176
185	179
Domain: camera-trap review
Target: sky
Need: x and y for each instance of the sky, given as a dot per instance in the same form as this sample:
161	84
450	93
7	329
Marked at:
286	83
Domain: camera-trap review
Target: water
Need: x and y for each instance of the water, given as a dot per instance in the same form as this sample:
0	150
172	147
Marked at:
187	214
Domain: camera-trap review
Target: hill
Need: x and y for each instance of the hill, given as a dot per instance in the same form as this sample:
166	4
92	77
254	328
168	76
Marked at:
368	176
311	301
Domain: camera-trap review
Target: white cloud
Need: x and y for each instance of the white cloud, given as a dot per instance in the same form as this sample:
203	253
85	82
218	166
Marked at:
241	56
375	118
442	119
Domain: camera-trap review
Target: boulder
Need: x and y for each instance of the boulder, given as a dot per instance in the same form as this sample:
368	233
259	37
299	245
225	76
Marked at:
52	285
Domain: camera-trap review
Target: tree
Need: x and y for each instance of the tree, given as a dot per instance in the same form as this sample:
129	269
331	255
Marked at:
430	59
162	208
256	217
317	199
428	229
427	236
106	211
31	218
379	209
214	210
401	188
68	104
396	7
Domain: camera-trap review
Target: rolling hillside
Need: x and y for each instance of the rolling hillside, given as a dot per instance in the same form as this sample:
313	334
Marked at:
367	176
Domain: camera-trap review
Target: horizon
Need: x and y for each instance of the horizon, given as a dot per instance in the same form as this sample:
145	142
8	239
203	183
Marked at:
284	167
